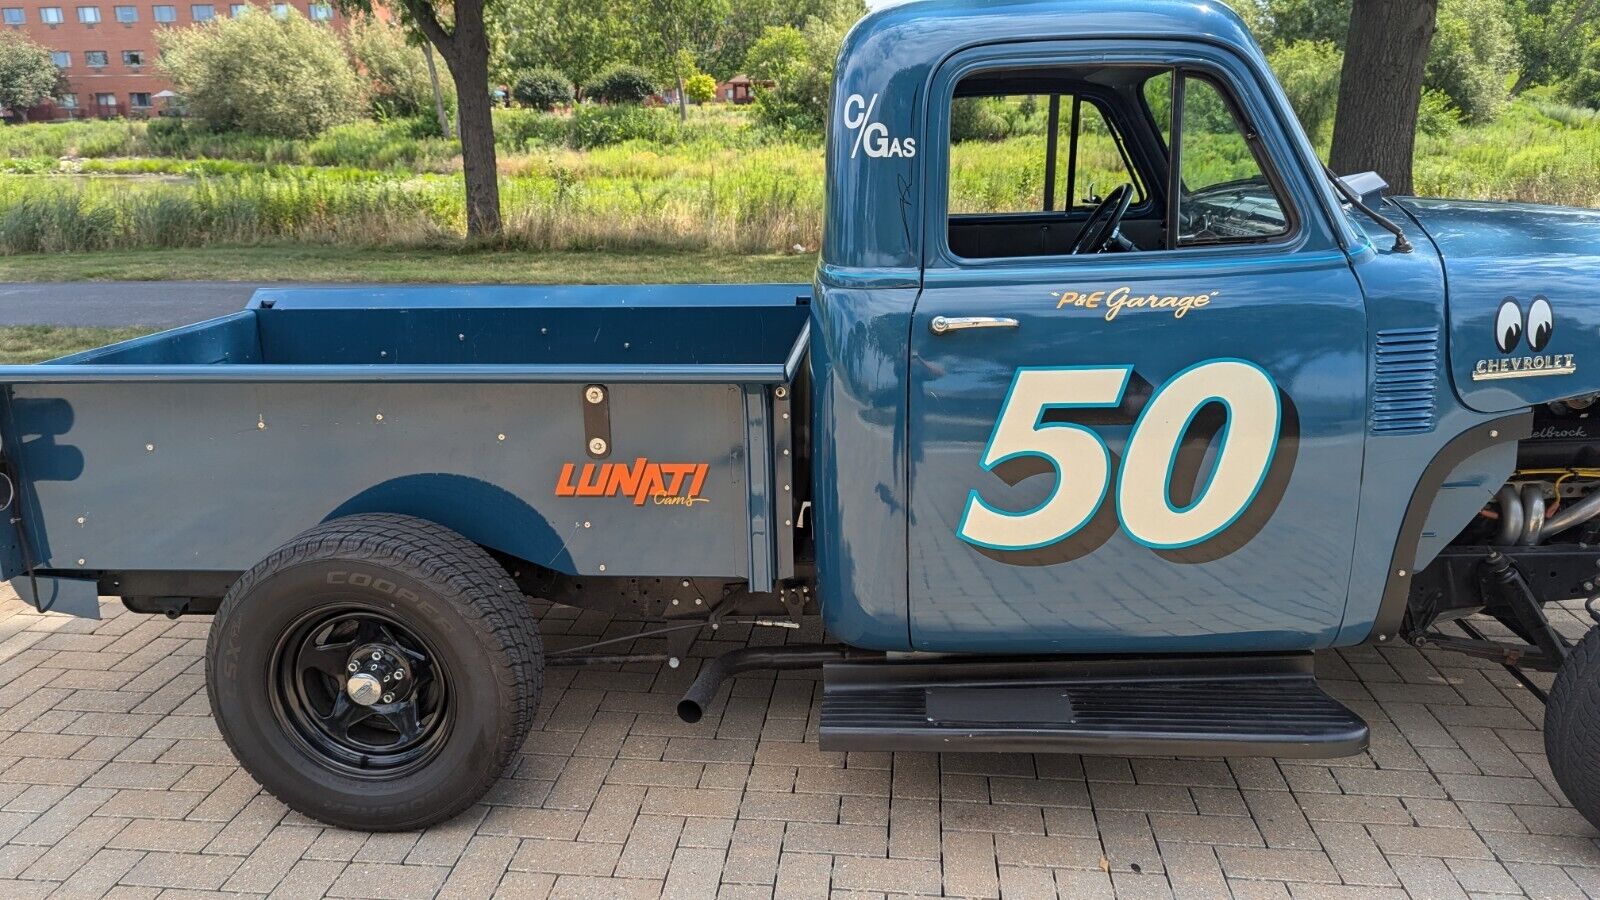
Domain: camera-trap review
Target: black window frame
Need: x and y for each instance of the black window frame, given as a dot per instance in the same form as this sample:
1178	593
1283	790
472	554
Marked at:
1171	145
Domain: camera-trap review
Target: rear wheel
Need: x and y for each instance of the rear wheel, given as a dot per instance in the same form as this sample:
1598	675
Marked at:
1572	727
376	672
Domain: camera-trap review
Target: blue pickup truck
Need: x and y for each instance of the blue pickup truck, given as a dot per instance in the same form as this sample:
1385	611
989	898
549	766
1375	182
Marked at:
1094	475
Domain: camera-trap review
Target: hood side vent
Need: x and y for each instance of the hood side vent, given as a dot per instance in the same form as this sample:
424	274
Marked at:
1406	377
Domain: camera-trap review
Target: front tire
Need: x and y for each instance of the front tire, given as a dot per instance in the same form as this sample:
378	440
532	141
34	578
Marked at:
1572	727
377	672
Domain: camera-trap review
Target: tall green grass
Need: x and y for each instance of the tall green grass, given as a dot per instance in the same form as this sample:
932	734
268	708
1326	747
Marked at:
716	183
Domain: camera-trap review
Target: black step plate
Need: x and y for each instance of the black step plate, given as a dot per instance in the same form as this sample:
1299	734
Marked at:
1249	705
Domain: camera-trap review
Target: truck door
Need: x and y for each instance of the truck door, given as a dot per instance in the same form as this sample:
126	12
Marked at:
1138	390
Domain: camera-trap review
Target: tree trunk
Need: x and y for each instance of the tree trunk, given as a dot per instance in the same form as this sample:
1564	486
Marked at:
1380	88
478	167
438	95
683	101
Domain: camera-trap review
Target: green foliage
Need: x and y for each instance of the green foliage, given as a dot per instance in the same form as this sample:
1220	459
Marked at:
799	63
519	129
269	75
1473	50
700	87
599	126
542	89
398	84
621	84
27	76
1309	72
578	38
1437	115
1279	23
1583	86
1554	38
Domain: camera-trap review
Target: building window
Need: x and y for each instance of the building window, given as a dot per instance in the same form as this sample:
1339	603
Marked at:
68	101
281	10
203	12
320	12
109	100
61	58
14	15
50	15
140	100
89	15
133	58
164	14
94	59
127	15
238	9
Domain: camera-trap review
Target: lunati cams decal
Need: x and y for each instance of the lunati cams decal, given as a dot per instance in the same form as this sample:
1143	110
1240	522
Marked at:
1118	299
662	484
1511	329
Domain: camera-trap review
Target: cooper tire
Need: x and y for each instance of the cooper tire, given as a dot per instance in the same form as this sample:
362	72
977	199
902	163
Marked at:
442	628
1572	727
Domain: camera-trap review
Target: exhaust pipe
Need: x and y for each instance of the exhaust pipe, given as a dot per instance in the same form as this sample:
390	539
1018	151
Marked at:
794	656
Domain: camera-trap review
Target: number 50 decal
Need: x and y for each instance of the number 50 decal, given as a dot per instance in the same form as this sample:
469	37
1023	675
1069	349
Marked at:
1247	418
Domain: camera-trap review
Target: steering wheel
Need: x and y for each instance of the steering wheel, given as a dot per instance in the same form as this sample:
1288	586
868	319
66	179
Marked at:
1102	228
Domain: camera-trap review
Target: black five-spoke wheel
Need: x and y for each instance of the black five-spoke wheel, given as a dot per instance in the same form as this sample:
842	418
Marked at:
361	691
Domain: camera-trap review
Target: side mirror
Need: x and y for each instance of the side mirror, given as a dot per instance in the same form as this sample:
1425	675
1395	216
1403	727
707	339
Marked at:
1369	186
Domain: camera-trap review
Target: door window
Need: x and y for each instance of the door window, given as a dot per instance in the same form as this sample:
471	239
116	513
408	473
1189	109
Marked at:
1027	153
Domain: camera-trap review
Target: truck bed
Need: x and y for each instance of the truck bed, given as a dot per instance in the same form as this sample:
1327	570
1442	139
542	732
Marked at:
201	449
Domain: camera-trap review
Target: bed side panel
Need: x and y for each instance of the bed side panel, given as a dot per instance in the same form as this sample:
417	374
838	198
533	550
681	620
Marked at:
213	476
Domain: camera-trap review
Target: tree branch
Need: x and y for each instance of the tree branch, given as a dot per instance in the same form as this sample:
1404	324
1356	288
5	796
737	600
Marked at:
428	23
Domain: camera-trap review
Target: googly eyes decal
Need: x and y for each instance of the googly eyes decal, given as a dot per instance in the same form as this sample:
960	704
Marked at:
1508	325
1541	324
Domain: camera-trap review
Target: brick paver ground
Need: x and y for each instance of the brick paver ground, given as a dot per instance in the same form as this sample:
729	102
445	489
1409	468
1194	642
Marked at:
114	782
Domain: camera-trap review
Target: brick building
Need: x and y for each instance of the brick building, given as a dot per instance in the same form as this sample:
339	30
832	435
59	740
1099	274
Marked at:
107	48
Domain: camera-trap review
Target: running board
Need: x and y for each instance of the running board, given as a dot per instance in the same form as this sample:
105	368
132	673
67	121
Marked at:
1240	705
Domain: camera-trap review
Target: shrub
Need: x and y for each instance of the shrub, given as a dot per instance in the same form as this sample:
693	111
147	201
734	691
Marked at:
396	70
621	84
1309	72
517	129
978	119
284	77
1437	116
597	126
542	89
700	87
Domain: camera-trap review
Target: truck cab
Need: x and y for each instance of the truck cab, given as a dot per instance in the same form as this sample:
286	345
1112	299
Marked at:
1175	326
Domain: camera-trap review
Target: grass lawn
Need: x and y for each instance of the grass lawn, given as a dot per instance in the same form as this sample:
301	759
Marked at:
327	263
35	343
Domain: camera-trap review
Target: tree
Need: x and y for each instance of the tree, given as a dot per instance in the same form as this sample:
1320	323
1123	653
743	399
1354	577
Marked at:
1309	72
702	88
457	30
1552	37
685	32
285	77
396	68
1380	89
542	89
27	75
1474	47
799	63
578	38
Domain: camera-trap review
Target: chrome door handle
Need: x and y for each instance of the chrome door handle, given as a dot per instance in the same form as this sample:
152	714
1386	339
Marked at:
942	324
